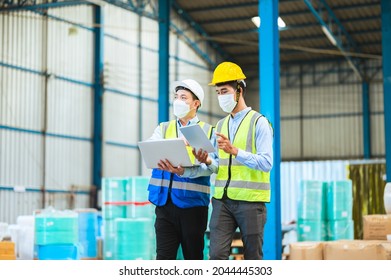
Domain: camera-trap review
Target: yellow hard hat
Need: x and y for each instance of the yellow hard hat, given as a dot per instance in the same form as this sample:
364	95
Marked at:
225	72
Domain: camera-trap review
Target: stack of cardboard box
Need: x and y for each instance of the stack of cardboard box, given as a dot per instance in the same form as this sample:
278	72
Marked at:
7	250
375	246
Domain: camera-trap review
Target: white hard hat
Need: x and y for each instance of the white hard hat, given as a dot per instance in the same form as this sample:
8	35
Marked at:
191	85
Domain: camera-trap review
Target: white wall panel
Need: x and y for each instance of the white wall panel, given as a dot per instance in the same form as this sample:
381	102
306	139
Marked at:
377	135
68	163
290	139
64	201
17	203
14	204
377	97
333	137
21	103
121	23
21	39
70	47
290	102
377	118
332	99
150	74
80	14
120	161
149	33
150	118
121	51
69	109
121	66
121	122
21	162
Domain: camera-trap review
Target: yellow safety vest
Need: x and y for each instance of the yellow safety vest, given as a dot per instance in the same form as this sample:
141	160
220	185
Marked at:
169	130
239	181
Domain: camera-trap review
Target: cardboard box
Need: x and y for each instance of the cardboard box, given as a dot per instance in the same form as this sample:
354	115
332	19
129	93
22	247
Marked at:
7	248
376	227
357	250
307	250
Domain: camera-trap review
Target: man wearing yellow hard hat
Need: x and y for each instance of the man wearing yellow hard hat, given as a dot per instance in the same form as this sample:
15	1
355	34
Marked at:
245	156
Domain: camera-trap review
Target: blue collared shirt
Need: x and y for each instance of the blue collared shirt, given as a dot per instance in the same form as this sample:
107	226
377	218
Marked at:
195	171
263	159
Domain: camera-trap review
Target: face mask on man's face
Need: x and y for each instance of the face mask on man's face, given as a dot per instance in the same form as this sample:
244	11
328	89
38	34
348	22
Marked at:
181	108
227	102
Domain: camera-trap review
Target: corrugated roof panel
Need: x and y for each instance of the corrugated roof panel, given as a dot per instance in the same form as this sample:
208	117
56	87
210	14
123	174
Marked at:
230	20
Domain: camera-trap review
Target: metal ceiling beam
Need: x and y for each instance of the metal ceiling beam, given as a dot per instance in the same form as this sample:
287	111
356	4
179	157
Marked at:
14	5
138	8
336	32
282	14
231	6
222	7
187	18
339	8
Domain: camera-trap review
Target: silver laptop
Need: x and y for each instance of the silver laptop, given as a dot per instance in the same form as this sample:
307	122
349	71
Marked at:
172	149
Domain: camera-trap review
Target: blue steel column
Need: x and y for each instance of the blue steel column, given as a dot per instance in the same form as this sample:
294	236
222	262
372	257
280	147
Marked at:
98	99
366	118
269	84
164	29
386	48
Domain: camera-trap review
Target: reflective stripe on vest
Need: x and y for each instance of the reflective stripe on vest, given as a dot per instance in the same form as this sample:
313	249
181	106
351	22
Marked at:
185	192
240	181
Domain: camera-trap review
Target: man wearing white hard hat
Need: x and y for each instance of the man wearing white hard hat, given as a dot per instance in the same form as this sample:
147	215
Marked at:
181	194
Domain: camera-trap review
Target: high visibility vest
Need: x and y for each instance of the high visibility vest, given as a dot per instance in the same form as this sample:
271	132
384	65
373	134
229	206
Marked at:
239	181
185	192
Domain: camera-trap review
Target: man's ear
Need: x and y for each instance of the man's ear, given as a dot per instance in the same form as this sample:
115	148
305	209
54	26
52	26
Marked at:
198	104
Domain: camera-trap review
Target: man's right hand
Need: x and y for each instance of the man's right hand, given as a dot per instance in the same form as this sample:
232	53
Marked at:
202	156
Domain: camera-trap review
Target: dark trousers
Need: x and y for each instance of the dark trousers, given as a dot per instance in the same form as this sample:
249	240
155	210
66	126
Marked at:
227	216
176	226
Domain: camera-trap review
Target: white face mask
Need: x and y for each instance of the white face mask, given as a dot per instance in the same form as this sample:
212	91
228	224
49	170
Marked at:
181	108
227	102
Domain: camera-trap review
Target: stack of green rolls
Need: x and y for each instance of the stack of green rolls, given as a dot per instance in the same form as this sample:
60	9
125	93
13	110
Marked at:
133	239
340	224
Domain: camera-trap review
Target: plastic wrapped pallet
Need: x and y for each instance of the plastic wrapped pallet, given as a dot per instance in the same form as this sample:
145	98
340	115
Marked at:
133	238
26	234
340	229
88	232
56	234
312	200
339	200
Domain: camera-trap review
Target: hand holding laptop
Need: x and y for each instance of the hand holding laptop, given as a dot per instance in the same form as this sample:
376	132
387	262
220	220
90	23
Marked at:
167	166
202	156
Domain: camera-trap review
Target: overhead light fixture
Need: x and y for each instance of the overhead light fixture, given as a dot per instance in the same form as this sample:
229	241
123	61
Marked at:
256	21
280	22
329	36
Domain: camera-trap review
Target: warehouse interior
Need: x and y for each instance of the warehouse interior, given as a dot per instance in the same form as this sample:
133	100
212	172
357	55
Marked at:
82	82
